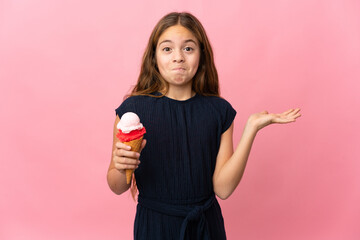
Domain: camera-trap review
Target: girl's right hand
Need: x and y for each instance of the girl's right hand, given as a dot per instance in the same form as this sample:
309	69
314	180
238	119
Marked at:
124	158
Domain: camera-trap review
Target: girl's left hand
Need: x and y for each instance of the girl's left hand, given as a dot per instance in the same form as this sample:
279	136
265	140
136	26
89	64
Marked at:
263	119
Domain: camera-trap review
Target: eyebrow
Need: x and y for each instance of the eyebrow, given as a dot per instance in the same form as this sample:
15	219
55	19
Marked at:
186	41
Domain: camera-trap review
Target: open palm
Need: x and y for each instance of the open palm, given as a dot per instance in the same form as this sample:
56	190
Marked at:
262	119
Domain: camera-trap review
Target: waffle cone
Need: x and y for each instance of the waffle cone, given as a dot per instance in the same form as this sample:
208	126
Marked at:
135	146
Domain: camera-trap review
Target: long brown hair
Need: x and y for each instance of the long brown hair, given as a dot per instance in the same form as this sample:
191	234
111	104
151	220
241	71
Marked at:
205	81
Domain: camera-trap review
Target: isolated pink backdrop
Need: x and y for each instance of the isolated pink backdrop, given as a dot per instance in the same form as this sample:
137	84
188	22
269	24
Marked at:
66	65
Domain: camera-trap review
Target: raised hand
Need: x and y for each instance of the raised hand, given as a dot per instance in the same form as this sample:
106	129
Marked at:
263	119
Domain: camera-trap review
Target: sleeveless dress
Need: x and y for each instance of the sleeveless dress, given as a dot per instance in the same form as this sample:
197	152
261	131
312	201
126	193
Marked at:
176	197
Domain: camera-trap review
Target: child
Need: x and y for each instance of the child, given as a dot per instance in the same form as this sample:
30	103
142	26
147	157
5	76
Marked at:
189	157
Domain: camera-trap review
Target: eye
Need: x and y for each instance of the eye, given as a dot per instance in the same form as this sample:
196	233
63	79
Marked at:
166	49
188	49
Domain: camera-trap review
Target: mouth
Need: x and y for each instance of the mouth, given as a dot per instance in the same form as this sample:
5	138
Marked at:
179	69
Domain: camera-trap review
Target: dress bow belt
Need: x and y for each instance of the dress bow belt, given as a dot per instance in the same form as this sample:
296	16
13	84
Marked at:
190	214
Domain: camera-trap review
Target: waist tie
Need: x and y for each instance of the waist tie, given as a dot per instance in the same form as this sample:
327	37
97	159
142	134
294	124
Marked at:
195	213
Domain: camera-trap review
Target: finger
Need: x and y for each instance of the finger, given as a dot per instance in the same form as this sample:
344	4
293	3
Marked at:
264	112
294	114
122	146
297	115
284	120
127	153
143	143
288	111
126	161
295	111
121	166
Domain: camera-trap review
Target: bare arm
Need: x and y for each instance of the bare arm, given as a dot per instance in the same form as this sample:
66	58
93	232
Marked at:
230	165
122	158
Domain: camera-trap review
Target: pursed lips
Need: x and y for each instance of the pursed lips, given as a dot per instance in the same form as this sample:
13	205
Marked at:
178	68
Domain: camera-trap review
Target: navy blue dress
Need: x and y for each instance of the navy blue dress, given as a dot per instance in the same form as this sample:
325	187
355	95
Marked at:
174	179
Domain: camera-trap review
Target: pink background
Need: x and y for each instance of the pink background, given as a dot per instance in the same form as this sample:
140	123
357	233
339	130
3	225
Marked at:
66	65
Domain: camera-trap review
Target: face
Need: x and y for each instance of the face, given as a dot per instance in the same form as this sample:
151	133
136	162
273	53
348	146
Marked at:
177	56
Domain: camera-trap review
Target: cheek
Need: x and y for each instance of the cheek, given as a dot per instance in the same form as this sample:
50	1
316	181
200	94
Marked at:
195	64
160	62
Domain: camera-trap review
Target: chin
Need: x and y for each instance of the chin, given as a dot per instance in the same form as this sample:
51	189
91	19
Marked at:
180	82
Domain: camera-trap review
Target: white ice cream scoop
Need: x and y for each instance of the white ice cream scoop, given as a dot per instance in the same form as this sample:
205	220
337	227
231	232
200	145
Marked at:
129	122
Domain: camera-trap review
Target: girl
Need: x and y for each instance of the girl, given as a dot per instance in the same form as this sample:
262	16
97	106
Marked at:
189	157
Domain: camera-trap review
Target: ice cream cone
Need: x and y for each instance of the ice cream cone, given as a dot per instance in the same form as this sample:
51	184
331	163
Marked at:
131	132
135	146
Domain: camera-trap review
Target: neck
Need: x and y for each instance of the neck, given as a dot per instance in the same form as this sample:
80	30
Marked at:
180	94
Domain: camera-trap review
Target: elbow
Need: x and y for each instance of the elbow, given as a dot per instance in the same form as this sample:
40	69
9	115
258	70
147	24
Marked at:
224	189
117	192
222	193
223	196
115	187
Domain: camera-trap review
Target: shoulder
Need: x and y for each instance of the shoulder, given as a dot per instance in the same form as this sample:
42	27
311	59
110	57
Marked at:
134	104
221	109
136	99
217	102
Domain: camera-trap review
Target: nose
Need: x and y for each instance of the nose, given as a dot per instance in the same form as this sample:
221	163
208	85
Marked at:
178	56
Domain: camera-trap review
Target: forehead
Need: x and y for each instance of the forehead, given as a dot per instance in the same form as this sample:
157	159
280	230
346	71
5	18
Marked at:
177	33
